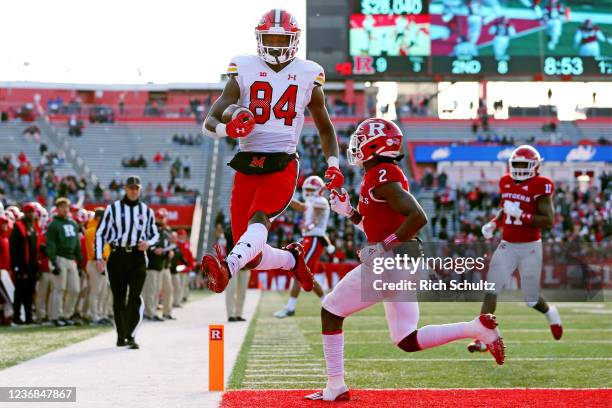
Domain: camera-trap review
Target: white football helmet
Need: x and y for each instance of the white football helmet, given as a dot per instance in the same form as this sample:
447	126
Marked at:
313	187
524	163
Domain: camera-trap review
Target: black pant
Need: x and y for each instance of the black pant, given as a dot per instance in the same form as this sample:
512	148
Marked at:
126	273
24	292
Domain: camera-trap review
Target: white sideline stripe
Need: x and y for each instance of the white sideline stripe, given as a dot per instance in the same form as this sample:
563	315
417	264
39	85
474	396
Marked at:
484	359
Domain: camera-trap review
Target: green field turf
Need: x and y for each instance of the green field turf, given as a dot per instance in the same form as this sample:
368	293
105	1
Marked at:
529	44
287	353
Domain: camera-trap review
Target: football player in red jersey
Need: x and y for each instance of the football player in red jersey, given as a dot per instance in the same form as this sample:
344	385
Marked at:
527	207
263	106
389	215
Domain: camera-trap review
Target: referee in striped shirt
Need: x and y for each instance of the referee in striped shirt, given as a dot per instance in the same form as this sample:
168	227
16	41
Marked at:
128	225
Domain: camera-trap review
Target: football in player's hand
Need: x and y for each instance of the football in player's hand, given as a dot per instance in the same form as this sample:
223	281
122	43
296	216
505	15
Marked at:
232	111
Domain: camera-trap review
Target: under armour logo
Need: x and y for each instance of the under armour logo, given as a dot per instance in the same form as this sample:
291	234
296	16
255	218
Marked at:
257	162
294	77
240	130
263	74
526	188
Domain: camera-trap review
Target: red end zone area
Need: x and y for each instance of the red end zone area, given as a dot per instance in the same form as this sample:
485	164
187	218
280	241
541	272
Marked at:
510	397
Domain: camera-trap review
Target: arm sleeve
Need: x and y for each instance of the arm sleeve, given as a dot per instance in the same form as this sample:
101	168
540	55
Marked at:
545	187
232	68
52	241
388	173
100	237
320	76
152	232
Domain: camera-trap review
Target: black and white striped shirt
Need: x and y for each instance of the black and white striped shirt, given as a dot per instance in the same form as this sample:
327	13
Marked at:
125	224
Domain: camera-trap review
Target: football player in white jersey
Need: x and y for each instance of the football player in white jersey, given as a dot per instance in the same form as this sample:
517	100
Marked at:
316	215
263	106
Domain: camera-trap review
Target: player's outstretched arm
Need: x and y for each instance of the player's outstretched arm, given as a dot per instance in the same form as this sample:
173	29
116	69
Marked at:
230	95
297	205
402	202
327	134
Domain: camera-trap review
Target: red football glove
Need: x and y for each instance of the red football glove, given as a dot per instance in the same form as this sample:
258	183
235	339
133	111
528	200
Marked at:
242	125
334	178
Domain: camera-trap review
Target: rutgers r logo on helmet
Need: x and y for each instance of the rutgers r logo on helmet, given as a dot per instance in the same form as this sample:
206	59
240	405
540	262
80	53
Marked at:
374	137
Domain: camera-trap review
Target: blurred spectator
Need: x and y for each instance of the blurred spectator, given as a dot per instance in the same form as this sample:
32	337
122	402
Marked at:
75	126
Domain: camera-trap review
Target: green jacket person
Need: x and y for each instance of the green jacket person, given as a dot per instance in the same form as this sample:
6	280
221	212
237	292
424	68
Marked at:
64	252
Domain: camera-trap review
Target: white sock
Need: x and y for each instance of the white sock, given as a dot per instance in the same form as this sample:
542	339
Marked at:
552	315
291	303
250	244
333	349
438	334
274	258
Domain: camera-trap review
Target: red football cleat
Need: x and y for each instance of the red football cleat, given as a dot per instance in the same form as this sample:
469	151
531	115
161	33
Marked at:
495	347
301	270
557	331
217	271
554	320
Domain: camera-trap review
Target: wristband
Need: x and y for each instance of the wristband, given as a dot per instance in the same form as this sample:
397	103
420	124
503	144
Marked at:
332	161
390	241
220	130
527	218
494	221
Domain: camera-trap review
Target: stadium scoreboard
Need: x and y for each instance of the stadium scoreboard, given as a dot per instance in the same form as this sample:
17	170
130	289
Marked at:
460	39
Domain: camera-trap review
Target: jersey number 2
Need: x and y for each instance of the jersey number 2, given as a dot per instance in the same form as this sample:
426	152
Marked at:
261	103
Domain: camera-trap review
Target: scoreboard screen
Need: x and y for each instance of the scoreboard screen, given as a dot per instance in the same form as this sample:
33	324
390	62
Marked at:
413	39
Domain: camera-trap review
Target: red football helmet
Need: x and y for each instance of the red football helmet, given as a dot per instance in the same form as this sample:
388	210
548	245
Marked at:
313	187
82	216
524	163
277	22
30	207
161	214
374	137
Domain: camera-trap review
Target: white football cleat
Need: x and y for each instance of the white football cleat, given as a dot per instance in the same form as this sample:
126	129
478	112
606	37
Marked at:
328	394
284	312
554	319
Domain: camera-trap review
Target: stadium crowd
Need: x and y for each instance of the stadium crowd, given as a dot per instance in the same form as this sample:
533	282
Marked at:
50	279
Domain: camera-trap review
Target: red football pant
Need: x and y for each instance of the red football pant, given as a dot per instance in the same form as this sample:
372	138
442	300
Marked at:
313	248
269	193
